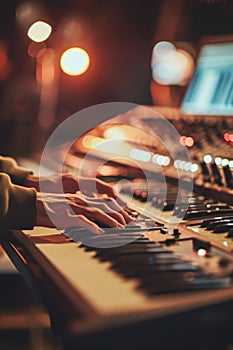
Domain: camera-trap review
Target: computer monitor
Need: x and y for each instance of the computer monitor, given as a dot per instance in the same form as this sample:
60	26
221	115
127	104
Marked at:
211	89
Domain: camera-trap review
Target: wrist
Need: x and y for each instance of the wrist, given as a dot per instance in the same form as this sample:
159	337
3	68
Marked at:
32	181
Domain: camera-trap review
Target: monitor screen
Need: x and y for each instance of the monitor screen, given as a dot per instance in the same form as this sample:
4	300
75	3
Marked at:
211	89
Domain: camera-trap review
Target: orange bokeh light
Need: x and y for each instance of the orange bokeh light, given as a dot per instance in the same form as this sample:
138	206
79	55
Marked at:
74	61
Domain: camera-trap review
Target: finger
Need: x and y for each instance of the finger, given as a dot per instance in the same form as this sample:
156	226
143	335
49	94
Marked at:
64	220
111	212
87	224
97	215
111	208
112	192
112	203
77	198
69	183
103	187
68	220
117	198
109	205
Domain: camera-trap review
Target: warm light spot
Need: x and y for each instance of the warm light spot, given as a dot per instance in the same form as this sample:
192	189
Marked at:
226	136
177	163
186	141
171	65
45	55
39	31
23	11
208	158
115	133
45	73
166	161
92	142
201	252
189	141
74	61
27	12
35	48
218	160
161	160
141	155
182	164
194	168
187	166
182	140
4	62
225	162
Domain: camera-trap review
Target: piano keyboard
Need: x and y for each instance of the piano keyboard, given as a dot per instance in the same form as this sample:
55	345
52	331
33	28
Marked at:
168	272
154	269
141	276
161	273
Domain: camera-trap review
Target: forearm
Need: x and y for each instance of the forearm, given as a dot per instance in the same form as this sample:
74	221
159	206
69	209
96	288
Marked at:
17	174
53	183
17	205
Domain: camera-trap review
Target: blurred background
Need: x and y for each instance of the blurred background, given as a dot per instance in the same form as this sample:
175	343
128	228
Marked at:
60	56
37	92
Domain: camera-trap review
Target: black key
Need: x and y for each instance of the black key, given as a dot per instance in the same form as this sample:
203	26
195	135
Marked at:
205	223
230	233
196	213
144	266
132	250
214	223
131	229
223	227
142	260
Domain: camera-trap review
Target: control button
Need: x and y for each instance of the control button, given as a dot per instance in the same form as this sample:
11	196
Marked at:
176	233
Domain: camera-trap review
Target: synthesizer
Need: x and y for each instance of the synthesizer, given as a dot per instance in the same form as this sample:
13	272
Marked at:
166	278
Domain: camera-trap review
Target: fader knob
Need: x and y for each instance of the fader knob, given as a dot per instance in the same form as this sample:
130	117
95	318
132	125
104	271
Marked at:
216	174
228	176
205	172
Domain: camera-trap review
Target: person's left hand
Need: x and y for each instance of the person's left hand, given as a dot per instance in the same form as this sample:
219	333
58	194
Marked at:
93	187
76	210
71	184
52	183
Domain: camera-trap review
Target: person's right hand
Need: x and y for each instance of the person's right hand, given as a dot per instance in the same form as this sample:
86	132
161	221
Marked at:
77	210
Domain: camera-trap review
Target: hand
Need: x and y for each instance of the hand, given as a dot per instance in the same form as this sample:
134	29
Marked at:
51	183
92	186
71	184
63	211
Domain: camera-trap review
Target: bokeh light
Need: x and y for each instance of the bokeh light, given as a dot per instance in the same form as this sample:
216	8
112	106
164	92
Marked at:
34	48
4	61
74	61
187	141
170	65
45	73
39	31
28	12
